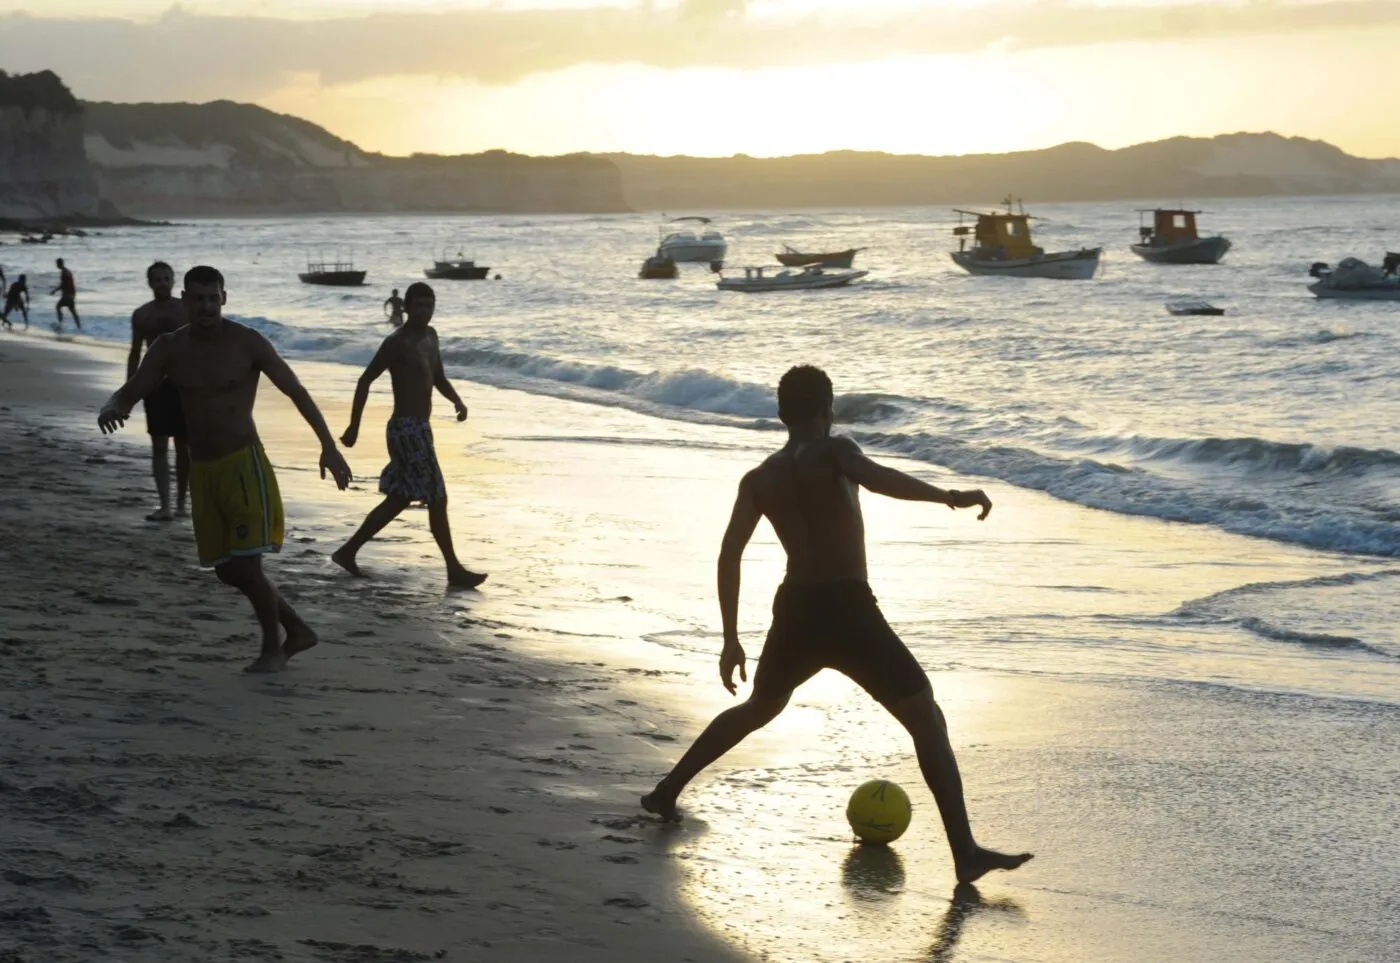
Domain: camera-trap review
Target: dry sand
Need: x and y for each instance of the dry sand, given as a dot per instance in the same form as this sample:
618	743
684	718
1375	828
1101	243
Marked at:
388	798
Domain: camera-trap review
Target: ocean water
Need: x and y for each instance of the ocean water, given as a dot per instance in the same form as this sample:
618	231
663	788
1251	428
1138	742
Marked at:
1197	518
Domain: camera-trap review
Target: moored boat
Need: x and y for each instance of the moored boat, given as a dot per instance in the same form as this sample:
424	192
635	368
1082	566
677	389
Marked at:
1353	280
1193	306
456	269
811	277
833	259
339	274
1172	239
708	247
658	267
1002	245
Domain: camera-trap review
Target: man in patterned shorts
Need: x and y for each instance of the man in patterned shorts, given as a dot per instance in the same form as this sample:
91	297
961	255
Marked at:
413	361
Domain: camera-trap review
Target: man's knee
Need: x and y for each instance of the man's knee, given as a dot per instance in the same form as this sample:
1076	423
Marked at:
239	572
919	713
764	707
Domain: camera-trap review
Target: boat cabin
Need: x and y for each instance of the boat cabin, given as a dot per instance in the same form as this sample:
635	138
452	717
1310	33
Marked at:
1168	226
1003	235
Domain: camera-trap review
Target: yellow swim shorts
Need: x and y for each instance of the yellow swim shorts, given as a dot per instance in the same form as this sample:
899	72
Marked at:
236	506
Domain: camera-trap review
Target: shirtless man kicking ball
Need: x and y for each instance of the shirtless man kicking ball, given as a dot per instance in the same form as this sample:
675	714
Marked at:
824	615
215	365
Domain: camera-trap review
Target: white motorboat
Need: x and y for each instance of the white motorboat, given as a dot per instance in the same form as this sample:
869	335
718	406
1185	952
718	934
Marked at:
1353	280
1002	246
685	244
814	276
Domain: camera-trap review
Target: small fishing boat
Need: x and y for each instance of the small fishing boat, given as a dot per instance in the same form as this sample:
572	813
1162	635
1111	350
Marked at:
1002	245
1172	239
658	267
708	247
340	274
833	259
1193	306
455	269
812	277
1353	280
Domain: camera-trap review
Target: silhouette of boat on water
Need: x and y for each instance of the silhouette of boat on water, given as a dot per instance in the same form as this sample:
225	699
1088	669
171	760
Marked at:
456	269
1172	239
792	257
337	273
1002	245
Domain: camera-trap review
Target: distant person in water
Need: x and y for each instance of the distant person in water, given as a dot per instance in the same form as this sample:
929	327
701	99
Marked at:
394	304
165	418
67	291
413	361
215	364
824	615
17	298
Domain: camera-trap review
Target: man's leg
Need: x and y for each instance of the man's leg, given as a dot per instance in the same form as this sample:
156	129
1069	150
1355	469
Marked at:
728	729
384	513
77	321
160	468
246	575
182	475
457	574
923	719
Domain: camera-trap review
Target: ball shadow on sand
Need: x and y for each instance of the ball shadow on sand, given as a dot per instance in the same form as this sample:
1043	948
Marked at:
872	872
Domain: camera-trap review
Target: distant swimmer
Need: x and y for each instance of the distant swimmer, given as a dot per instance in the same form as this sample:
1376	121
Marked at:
393	308
215	364
67	291
413	361
824	615
165	418
17	298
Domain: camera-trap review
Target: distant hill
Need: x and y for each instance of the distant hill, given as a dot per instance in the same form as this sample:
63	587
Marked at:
1231	165
228	158
45	177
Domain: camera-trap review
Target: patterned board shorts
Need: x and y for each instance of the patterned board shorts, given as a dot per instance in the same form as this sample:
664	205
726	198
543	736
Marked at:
413	471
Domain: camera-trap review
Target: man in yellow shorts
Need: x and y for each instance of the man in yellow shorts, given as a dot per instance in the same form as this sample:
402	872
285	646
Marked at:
215	365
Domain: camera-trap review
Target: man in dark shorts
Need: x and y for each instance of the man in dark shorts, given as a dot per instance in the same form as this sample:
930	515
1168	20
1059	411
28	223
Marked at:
165	418
67	290
824	615
17	298
394	307
410	355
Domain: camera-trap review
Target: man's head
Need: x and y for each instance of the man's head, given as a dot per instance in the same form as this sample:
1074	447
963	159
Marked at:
59	262
160	277
204	296
419	302
805	396
21	279
395	292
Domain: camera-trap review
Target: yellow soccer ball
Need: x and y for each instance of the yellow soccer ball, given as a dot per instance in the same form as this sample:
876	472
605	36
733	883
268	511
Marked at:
878	812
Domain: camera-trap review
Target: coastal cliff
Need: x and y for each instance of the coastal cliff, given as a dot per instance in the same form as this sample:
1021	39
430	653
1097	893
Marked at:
45	176
225	158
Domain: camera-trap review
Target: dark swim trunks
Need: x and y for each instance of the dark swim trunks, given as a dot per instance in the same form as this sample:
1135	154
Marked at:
164	414
413	472
835	625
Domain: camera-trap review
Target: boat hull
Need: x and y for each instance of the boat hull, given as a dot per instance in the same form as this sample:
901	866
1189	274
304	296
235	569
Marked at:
702	252
1064	266
1388	293
791	283
836	259
457	274
335	279
1204	250
658	269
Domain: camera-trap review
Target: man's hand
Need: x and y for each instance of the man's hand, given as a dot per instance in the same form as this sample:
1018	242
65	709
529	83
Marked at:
352	435
461	412
972	498
110	418
730	658
334	462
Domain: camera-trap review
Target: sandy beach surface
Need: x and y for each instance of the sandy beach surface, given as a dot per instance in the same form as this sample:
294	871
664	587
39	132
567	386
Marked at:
454	775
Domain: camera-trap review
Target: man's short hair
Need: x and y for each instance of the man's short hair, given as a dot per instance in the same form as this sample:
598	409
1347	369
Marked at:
203	274
156	267
418	289
803	393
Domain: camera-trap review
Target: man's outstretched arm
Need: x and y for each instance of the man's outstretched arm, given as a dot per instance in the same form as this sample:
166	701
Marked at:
742	523
281	375
443	385
377	366
133	357
893	483
146	379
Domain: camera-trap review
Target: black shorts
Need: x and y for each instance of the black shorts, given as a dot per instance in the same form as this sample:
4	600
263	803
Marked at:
164	413
66	301
835	625
13	304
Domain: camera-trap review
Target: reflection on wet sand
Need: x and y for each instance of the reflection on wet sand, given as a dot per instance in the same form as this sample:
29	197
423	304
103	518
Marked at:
966	903
872	872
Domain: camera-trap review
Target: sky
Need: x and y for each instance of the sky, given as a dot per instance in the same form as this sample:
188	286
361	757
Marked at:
760	77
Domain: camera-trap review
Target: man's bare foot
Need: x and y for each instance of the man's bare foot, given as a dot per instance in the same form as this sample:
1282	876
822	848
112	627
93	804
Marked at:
181	511
160	515
464	578
664	806
299	639
981	861
346	560
267	663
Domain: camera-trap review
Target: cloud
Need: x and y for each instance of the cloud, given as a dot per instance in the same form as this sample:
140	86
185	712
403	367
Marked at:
190	56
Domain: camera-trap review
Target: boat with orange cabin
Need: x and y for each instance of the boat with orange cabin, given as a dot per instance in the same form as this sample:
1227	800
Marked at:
1172	239
1002	245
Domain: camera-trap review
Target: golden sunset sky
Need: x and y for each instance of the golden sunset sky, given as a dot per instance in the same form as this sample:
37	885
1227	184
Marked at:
762	77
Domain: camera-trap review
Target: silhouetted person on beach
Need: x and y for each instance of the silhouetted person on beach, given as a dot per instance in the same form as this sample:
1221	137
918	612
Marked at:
67	290
413	361
395	305
824	615
165	418
17	298
215	364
